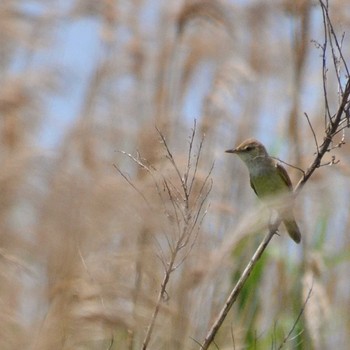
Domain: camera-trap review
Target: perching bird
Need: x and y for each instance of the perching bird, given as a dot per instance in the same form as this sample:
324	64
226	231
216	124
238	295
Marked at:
268	180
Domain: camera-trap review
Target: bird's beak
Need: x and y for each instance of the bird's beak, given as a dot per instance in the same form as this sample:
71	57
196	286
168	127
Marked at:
233	150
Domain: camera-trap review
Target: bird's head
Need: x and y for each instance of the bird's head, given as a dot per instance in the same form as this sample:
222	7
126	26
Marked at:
249	150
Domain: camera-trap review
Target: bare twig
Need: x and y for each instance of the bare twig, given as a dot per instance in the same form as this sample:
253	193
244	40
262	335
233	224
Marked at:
111	344
333	35
334	122
331	130
238	287
297	319
186	212
331	162
313	131
161	295
189	156
324	70
196	165
233	339
172	161
288	164
132	185
194	240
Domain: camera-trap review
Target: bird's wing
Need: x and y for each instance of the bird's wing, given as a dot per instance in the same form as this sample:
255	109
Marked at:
284	175
252	186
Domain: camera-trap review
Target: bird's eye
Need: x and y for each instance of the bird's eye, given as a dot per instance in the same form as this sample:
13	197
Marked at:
248	148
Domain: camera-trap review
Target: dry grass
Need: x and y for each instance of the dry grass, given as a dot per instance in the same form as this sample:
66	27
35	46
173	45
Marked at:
88	254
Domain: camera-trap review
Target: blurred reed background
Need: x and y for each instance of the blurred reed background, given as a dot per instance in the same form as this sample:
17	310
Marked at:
87	231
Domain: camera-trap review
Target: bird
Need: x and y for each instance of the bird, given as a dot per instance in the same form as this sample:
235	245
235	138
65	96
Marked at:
269	180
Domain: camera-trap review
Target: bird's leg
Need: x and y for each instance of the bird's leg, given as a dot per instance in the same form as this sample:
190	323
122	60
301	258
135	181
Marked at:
274	222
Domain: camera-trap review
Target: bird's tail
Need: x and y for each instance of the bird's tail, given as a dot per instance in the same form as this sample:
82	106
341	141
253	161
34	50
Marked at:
292	229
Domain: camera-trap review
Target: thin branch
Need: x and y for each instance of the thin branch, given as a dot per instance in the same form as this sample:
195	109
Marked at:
136	160
330	132
331	162
238	287
312	130
196	341
178	193
324	65
198	213
297	319
173	202
233	339
148	169
111	343
336	61
172	161
333	34
13	260
196	165
189	156
186	213
161	296
93	281
194	240
205	182
133	186
200	206
288	164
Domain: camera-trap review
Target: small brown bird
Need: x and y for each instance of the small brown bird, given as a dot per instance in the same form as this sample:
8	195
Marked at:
268	180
